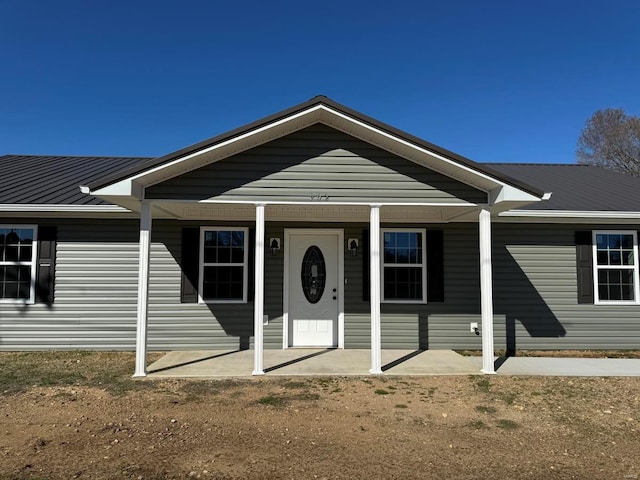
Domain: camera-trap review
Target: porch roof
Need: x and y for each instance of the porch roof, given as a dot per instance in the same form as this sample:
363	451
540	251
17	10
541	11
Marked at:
131	182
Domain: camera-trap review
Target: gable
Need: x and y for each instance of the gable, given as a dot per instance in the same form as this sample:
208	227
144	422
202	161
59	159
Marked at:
316	163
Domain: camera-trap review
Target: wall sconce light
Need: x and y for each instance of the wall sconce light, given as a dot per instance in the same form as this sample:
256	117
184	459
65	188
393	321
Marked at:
353	246
274	244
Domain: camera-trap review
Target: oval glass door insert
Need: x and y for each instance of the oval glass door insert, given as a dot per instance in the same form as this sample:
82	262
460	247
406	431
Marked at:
313	274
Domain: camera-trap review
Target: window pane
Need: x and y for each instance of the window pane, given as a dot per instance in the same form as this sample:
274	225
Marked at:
402	247
403	283
11	253
627	257
602	257
223	283
603	292
210	239
15	282
615	258
627	242
25	253
616	284
238	238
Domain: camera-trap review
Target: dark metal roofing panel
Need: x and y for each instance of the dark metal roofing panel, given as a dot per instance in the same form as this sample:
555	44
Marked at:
578	187
318	100
27	179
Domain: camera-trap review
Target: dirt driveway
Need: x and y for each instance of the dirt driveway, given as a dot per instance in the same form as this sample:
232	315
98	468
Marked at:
463	427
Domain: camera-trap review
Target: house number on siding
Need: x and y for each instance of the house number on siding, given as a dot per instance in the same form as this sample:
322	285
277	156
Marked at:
319	197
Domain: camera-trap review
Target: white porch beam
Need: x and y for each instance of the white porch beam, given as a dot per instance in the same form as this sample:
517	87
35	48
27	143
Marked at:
486	292
143	289
258	299
374	262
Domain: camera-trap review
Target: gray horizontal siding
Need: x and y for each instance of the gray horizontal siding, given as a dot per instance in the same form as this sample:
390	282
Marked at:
535	301
95	293
535	290
316	160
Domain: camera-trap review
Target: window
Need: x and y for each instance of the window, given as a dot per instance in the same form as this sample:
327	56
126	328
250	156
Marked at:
223	264
615	262
404	278
17	263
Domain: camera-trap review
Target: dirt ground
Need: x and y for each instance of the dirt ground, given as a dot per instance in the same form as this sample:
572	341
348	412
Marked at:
463	427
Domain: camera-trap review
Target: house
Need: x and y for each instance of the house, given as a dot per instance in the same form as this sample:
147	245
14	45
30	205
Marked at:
316	226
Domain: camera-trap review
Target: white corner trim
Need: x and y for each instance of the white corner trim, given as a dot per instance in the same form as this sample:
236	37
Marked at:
547	195
43	207
84	189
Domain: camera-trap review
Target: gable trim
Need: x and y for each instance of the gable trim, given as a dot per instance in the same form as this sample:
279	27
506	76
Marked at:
316	110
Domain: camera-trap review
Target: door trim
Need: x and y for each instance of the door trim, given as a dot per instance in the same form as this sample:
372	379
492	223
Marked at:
288	233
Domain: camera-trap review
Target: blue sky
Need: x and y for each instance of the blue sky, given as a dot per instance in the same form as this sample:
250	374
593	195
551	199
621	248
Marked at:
492	80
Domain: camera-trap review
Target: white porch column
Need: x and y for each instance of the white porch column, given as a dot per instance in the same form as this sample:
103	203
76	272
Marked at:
143	289
374	261
486	292
258	298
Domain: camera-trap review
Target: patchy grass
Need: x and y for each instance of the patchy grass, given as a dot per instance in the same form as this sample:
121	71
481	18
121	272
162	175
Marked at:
271	400
485	409
478	425
111	371
382	391
507	424
401	405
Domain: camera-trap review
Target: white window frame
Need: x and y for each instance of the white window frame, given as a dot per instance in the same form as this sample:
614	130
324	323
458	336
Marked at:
33	263
245	264
596	268
422	231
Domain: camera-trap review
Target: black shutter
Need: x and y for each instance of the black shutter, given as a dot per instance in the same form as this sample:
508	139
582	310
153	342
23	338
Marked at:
366	284
584	266
46	265
251	277
435	266
190	265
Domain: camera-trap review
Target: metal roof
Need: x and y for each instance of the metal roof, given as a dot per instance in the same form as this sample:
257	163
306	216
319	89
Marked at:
578	187
53	180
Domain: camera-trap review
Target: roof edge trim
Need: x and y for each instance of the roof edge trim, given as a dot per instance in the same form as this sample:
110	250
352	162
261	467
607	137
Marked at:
310	105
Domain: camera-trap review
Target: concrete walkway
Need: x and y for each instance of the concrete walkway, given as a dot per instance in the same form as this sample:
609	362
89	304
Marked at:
566	367
322	362
327	362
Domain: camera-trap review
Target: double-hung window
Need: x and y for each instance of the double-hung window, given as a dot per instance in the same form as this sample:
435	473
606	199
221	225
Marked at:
404	273
223	265
17	263
615	263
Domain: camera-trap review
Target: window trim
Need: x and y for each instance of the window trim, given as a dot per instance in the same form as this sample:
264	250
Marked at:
34	266
423	265
596	268
245	264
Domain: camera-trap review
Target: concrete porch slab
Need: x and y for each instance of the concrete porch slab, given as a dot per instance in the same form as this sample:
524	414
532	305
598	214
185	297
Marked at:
308	362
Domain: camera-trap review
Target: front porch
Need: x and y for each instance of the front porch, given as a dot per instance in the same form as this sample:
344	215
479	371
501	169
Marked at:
319	362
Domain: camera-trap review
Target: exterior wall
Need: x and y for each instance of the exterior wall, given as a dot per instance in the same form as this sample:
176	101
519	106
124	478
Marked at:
95	292
535	299
316	161
535	292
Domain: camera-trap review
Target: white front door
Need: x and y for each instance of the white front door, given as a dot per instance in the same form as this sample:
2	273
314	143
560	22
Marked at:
314	287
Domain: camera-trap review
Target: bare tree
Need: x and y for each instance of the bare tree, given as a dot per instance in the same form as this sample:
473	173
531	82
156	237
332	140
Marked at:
611	139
